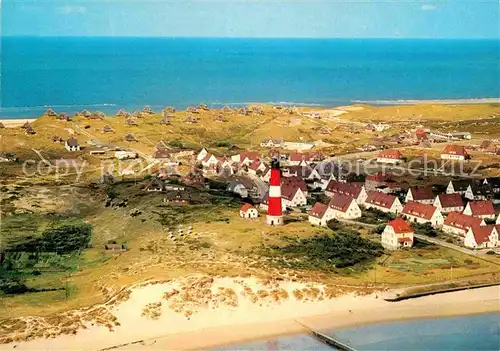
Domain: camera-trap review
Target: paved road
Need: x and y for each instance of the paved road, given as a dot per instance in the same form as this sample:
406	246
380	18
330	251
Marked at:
445	244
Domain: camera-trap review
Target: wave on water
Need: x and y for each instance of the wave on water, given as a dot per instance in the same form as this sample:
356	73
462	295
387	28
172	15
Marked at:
494	100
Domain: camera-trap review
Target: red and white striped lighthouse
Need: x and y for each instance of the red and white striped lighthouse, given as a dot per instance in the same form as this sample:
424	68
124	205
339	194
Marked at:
274	213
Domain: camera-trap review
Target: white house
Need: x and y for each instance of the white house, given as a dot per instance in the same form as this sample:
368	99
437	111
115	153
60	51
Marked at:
320	214
458	186
482	209
458	223
72	144
383	202
397	234
248	211
449	203
272	143
241	186
202	154
292	197
209	161
122	155
417	212
344	207
423	195
453	152
481	237
256	166
390	156
299	159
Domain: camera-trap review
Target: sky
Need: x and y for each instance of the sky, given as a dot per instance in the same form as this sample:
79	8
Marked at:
257	18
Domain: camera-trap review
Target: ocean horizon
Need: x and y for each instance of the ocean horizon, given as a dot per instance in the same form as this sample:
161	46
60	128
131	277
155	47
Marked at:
109	73
464	333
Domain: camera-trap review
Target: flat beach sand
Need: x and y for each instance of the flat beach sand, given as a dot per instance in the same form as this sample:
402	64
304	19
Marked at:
11	123
224	324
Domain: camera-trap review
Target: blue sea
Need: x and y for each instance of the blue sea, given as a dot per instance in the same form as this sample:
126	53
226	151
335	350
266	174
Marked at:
469	333
72	73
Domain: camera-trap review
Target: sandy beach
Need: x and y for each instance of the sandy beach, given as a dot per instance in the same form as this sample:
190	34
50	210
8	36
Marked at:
203	312
11	123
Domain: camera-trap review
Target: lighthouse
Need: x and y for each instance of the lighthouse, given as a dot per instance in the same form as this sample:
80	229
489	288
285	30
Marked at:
274	213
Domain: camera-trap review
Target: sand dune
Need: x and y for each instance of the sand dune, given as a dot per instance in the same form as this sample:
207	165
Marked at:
200	312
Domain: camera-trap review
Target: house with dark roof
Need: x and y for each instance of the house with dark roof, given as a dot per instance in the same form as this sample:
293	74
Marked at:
292	197
295	182
383	202
390	156
320	214
454	152
72	144
457	223
493	182
344	207
458	186
478	190
397	234
449	203
355	190
482	209
372	181
299	159
272	142
482	237
242	186
417	212
423	195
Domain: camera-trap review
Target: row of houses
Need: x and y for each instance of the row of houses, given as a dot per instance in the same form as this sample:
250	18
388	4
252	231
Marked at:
450	152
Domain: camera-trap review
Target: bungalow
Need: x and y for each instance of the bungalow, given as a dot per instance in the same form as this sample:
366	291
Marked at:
177	198
155	185
209	161
482	209
458	223
423	195
72	144
478	191
421	135
295	182
299	159
245	158
225	167
122	155
481	237
344	207
292	197
397	234
248	211
422	213
390	156
356	191
449	203
256	166
383	202
320	214
454	152
458	186
242	186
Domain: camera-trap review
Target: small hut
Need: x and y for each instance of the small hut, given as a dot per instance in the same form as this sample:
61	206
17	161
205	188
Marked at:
86	113
107	178
226	108
220	118
2	125
130	122
122	113
129	137
30	131
137	114
191	109
191	119
97	115
148	110
325	130
112	247
57	139
244	111
50	112
165	120
63	116
258	110
203	107
169	109
107	129
26	125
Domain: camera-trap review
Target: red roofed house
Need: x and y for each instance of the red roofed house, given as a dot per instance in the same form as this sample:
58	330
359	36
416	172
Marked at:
449	203
397	234
423	195
255	166
421	135
422	213
383	202
356	191
320	214
299	159
454	152
372	181
481	209
292	196
245	158
458	223
481	237
295	182
390	156
344	206
248	211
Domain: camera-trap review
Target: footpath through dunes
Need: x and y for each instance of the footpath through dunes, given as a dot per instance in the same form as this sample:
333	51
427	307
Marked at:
202	312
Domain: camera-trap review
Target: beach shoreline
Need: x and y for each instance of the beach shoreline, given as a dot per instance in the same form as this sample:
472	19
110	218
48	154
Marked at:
218	325
12	123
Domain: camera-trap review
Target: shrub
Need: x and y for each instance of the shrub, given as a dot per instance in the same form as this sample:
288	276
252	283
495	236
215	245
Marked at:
176	143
